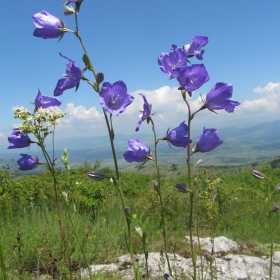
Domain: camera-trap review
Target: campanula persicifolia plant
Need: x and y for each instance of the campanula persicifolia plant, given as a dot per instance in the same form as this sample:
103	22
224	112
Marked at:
114	98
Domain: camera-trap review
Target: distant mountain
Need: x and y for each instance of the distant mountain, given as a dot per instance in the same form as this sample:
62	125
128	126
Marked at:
240	146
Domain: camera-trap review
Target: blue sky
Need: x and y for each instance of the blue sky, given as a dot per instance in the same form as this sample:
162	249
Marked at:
124	39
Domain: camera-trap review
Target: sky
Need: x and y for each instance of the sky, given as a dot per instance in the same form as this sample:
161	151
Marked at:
124	39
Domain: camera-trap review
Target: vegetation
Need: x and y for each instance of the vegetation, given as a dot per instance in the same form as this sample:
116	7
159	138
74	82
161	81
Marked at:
30	242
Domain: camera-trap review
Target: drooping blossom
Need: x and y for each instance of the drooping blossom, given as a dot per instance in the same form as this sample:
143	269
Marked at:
178	136
74	74
146	111
46	25
172	63
46	102
194	48
209	140
114	98
137	151
219	96
27	162
98	176
18	139
193	77
181	187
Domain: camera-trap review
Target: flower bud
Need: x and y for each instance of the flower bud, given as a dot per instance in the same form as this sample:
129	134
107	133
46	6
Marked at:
182	187
139	230
258	174
275	208
98	176
99	78
155	186
208	257
127	211
198	162
69	10
167	276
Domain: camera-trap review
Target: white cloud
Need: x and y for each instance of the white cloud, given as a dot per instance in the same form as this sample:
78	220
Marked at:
171	110
268	101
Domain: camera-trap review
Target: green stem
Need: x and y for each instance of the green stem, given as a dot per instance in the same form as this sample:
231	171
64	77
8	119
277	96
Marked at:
190	186
160	198
270	227
50	166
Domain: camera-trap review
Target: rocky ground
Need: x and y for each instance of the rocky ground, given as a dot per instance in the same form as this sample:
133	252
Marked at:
226	266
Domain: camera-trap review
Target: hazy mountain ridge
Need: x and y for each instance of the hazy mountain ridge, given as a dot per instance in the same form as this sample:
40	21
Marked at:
240	146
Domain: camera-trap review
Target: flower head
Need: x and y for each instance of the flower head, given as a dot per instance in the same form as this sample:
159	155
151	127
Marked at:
137	151
172	63
47	25
46	102
146	111
209	140
178	136
114	98
74	74
193	77
27	162
218	98
18	139
194	48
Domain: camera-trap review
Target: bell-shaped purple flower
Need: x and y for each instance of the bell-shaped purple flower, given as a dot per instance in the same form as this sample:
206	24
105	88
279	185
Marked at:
18	139
74	74
137	151
172	63
219	96
178	136
209	140
47	25
46	102
146	111
114	98
27	162
194	48
193	77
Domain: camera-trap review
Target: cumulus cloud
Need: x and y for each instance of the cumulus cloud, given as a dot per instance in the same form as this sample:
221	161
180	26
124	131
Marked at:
267	101
171	110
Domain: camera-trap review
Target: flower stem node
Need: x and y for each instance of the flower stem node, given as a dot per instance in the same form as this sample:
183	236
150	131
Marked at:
127	211
155	186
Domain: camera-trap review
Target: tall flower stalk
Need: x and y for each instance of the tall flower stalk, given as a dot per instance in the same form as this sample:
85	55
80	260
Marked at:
109	124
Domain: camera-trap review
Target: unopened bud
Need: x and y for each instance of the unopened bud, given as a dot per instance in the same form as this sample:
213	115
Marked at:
198	162
99	78
275	208
65	195
127	211
182	187
208	257
155	186
139	230
258	174
69	10
98	176
167	276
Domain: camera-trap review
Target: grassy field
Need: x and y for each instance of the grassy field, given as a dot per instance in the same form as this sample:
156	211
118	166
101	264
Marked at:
31	242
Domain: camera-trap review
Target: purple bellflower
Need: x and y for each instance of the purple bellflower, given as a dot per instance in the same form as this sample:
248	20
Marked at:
209	140
46	102
193	77
74	74
47	25
219	96
194	48
146	111
27	162
137	151
114	98
18	139
172	63
178	136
